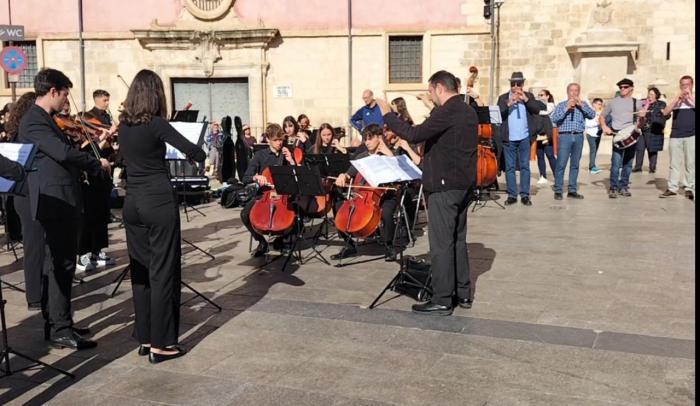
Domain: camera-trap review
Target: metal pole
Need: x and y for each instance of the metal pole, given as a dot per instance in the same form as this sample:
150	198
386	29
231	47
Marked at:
349	66
13	84
492	73
498	45
82	55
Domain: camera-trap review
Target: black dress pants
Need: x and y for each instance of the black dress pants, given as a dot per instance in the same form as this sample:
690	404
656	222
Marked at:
447	212
152	225
37	258
94	235
62	240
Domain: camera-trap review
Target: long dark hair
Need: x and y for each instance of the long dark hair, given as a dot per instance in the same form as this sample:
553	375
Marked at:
319	143
290	119
145	99
402	110
22	106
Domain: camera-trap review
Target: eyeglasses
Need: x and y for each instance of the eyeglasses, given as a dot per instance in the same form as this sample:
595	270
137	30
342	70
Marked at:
518	84
624	87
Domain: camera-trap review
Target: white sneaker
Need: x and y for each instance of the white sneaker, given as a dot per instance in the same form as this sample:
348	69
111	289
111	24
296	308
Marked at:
542	181
85	264
104	260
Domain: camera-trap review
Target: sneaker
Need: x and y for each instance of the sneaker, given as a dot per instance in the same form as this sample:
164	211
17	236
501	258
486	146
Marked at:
595	170
85	264
542	181
667	193
104	260
625	192
612	194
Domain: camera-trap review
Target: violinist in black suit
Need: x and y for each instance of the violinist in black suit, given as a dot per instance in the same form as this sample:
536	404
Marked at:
55	197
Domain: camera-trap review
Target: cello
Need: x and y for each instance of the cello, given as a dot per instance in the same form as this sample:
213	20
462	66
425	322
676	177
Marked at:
272	214
361	214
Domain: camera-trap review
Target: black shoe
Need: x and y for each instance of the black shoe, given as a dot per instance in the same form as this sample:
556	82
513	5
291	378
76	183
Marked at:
636	169
278	243
526	201
262	249
73	341
557	196
432	308
574	195
346	252
34	307
390	255
154	358
612	194
690	195
464	303
510	200
625	192
143	350
652	170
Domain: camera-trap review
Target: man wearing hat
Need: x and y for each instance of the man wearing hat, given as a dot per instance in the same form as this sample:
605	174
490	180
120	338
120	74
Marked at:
518	110
621	109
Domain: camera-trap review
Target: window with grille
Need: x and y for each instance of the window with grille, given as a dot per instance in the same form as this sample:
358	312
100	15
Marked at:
26	78
406	59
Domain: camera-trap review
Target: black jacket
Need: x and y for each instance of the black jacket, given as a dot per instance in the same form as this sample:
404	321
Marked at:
533	107
450	135
54	191
10	169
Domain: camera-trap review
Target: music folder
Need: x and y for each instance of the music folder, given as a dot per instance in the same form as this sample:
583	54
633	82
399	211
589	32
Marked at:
378	169
329	164
194	132
296	180
23	154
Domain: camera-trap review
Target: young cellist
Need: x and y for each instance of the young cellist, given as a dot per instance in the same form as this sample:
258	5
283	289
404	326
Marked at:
374	141
277	154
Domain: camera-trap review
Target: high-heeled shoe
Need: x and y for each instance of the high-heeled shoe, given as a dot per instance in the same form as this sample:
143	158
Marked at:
154	358
143	350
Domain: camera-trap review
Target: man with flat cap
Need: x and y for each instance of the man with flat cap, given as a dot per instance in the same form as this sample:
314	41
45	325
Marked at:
622	110
519	111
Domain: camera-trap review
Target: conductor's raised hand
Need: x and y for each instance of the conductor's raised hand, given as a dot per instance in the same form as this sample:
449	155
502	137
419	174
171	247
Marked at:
384	107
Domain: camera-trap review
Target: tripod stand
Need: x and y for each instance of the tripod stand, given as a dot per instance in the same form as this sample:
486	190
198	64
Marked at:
180	181
7	350
403	276
484	195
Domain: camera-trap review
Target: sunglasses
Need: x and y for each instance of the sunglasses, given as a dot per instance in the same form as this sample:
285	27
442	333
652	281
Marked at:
518	84
624	87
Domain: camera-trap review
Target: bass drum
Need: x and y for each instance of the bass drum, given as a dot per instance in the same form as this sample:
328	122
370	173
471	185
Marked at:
626	137
486	166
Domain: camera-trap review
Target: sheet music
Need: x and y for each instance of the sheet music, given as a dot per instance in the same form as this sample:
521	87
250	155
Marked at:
378	169
19	153
191	131
495	115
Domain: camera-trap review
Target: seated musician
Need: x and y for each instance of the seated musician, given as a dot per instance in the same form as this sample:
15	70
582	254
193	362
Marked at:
276	155
295	137
373	140
400	146
327	142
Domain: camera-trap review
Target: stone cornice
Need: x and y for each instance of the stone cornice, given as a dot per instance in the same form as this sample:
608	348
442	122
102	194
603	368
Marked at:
188	39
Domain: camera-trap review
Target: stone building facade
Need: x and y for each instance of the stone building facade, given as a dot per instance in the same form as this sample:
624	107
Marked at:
266	59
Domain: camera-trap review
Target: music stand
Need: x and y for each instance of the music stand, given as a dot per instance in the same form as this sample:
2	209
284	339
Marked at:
403	276
298	181
328	165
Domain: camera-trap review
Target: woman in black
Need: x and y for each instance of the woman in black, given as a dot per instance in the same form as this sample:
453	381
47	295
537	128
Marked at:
151	216
326	142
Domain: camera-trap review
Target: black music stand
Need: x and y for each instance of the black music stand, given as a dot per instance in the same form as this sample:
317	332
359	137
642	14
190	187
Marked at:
298	181
403	276
327	165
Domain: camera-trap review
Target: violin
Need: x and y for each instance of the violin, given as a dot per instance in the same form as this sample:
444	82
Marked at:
272	214
361	214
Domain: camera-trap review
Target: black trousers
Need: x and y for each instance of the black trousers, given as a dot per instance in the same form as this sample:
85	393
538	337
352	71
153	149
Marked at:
447	214
152	225
37	260
93	231
62	240
641	147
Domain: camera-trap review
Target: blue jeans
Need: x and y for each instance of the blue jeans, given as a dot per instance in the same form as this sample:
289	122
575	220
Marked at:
593	143
548	150
520	151
621	169
570	146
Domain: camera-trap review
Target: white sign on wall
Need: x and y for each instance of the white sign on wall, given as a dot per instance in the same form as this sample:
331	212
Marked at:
282	91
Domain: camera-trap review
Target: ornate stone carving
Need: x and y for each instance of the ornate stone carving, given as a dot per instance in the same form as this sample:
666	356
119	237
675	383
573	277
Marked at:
208	9
209	46
602	14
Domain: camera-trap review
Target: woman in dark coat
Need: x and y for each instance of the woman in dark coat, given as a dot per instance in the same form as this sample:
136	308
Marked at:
652	139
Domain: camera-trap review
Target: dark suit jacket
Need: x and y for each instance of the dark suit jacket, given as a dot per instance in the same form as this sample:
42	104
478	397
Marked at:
10	169
450	135
533	107
54	191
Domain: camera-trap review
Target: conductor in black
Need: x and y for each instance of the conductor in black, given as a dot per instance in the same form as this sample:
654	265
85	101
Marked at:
55	197
449	177
151	216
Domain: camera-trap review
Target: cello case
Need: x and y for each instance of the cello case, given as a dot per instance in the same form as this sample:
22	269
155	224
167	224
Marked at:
228	160
242	155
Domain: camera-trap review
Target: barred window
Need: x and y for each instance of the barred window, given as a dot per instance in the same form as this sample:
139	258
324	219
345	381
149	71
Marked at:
26	78
406	59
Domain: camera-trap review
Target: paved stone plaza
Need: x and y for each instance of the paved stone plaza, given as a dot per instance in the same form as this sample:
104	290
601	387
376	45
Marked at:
577	303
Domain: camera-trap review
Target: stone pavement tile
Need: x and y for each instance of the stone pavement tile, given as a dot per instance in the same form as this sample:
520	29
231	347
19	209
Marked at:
506	396
74	397
661	346
362	402
440	343
262	395
159	385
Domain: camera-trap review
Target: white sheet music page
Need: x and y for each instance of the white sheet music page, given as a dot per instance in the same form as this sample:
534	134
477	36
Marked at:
191	131
19	153
378	169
